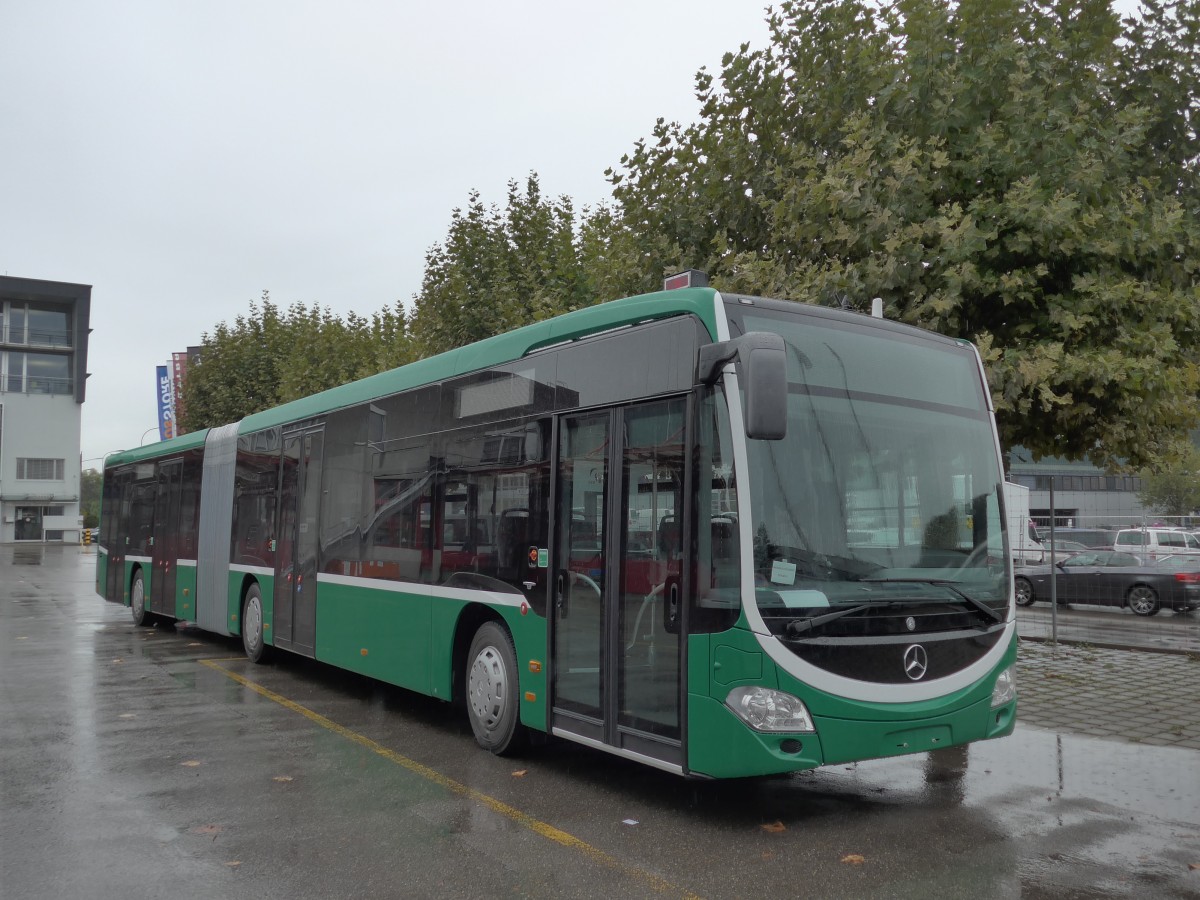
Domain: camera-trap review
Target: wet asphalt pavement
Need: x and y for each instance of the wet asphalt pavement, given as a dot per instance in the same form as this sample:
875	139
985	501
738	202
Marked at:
158	763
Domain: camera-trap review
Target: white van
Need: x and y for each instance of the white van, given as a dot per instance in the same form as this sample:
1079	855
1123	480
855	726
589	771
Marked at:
1027	550
1152	544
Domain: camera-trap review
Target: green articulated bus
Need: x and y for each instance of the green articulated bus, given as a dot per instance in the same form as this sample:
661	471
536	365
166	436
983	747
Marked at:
720	535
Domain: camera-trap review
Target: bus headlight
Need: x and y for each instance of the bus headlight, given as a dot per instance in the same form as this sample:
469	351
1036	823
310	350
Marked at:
764	709
1006	688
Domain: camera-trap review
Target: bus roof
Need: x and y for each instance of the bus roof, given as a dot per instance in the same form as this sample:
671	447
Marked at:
187	441
492	351
502	348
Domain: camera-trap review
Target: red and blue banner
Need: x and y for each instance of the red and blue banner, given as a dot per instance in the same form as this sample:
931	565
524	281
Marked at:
166	406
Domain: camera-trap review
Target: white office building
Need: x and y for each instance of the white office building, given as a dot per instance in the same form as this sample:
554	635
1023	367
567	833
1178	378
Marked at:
43	374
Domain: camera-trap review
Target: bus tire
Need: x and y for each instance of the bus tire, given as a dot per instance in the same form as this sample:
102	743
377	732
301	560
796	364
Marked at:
252	626
137	601
493	691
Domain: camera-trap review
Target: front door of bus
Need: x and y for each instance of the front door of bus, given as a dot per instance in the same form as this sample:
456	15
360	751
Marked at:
295	608
164	553
617	660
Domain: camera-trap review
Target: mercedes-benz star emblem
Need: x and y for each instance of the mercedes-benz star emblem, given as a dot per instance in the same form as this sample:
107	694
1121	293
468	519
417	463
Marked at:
910	623
916	662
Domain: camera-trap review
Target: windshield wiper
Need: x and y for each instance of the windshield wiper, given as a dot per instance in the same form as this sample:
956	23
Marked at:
972	601
798	627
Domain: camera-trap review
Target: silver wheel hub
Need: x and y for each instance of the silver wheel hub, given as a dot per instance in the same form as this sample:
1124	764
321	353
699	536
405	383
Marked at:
252	623
488	688
137	599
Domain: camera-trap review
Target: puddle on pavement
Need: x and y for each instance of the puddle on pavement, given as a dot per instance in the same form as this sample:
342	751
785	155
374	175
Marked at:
28	556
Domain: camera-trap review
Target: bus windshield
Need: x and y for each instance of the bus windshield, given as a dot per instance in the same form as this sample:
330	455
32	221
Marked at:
885	491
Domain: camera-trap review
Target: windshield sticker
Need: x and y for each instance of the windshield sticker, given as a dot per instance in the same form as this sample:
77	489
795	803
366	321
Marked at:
783	572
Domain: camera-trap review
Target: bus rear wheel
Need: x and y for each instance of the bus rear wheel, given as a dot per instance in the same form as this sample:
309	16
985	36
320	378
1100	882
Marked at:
492	691
252	626
137	601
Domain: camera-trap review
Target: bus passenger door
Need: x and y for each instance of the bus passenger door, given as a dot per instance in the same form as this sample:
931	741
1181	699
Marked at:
617	603
580	575
295	599
166	529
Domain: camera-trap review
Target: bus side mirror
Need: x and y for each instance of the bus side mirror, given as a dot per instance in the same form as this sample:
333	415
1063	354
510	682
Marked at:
763	378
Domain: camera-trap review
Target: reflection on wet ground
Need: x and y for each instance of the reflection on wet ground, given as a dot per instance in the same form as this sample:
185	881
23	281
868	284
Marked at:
30	555
129	768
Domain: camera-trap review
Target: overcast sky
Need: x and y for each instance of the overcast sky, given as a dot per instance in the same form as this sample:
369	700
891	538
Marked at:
181	157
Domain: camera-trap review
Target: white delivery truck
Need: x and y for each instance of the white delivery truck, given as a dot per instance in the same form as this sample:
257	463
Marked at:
1022	536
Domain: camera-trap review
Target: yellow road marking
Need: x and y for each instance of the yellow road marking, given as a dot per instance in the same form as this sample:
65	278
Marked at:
546	830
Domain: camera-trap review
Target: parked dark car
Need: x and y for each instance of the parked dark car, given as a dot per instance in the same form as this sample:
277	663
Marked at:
1112	578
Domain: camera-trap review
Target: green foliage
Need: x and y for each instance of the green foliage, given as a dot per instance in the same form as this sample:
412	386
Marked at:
993	169
91	485
267	357
1173	490
500	269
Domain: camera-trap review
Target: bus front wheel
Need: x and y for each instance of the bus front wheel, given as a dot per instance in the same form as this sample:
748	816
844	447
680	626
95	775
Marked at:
492	690
252	626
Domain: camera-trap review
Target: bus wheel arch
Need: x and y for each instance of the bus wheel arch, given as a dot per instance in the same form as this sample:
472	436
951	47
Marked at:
491	682
252	622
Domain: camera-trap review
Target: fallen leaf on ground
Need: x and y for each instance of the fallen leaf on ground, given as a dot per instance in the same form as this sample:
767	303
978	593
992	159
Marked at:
774	827
282	778
234	863
1192	867
854	859
520	773
191	762
127	716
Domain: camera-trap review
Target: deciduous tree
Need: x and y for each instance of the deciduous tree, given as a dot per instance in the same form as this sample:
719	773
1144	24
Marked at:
993	169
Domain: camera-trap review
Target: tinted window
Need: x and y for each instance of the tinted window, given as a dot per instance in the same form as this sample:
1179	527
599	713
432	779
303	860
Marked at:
628	364
491	519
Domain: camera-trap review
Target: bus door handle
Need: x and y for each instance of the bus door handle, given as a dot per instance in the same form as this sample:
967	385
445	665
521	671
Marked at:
671	606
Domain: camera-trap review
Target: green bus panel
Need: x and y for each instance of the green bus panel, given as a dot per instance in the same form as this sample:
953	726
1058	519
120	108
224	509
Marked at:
529	638
720	744
848	740
185	591
381	633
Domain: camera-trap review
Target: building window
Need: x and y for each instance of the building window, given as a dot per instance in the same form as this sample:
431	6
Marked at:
40	469
36	373
35	325
49	327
